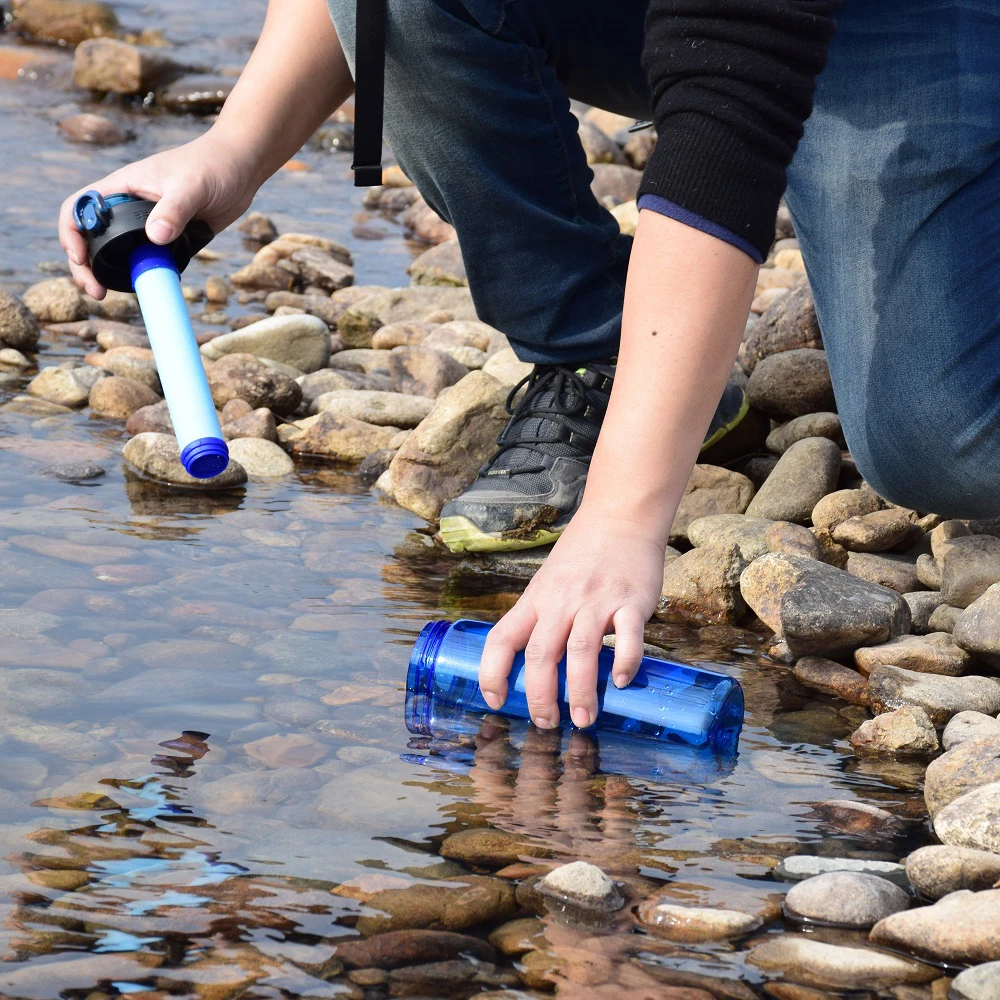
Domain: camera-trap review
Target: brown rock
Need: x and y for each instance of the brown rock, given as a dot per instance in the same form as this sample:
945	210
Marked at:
941	697
830	551
392	949
802	476
897	572
258	423
441	265
486	847
977	628
615	183
809	425
154	419
783	536
710	490
940	869
933	654
321	269
965	767
875	532
969	567
907	731
287	750
787	325
118	398
64	22
835	508
55	300
833	678
423	371
18	328
90	128
242	376
407	334
703	586
338	437
106	64
792	383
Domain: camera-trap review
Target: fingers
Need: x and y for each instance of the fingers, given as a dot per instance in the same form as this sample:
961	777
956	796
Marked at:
174	211
542	654
506	639
582	648
72	241
629	625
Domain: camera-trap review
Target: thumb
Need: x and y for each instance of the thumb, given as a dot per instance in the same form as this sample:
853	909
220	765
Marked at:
172	213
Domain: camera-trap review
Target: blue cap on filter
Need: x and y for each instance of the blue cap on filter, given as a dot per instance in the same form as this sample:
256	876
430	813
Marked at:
149	255
205	457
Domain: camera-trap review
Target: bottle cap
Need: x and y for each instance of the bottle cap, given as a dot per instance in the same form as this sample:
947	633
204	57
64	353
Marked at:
206	457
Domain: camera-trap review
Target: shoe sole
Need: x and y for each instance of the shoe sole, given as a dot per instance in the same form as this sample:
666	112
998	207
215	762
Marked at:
459	534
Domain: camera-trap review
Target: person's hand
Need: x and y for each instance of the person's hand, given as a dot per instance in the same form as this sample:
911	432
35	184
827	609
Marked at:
205	179
603	572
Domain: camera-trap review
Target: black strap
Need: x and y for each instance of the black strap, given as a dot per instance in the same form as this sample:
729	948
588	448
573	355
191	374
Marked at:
369	92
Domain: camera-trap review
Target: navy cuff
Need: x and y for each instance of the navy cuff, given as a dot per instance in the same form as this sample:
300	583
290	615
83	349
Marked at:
674	211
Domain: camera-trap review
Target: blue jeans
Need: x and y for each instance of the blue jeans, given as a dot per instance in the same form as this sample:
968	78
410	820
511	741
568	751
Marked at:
895	194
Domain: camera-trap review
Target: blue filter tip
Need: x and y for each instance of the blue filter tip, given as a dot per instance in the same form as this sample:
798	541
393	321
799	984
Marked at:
205	457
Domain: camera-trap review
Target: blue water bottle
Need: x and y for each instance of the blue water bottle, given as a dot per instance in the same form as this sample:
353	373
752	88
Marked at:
666	701
123	258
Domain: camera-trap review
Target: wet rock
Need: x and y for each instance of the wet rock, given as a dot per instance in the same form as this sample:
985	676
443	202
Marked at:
423	371
519	936
819	609
792	384
118	398
801	866
962	927
981	982
301	341
64	22
199	94
392	949
505	367
832	678
441	265
441	979
789	324
579	889
938	870
803	960
907	731
875	532
155	418
897	572
93	129
968	726
41	980
11	358
977	628
287	750
969	566
826	425
923	603
441	457
945	618
693	924
374	465
107	64
485	847
242	376
316	384
382	408
158	457
835	508
805	473
338	437
55	300
967	766
845	899
257	423
615	183
783	536
259	458
703	585
972	820
72	472
934	653
438	907
397	305
859	819
57	385
137	369
891	687
710	490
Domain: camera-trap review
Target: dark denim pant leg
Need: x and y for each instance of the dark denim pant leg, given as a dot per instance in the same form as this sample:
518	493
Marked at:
895	193
478	115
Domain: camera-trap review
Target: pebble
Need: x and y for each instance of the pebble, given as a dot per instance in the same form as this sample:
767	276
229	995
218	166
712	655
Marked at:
967	766
57	385
818	609
485	847
801	959
832	678
73	471
890	687
972	820
805	473
158	457
845	899
67	22
981	982
800	866
934	653
243	376
201	94
11	358
260	459
302	341
962	927
711	490
18	328
939	869
382	408
792	384
443	454
977	628
908	731
969	726
694	924
118	398
923	603
859	819
840	506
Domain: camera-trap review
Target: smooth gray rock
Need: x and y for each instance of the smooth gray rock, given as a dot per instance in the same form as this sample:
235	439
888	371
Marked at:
981	982
805	473
845	899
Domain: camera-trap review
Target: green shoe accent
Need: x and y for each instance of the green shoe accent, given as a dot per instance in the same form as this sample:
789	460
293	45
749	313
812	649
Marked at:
721	432
461	535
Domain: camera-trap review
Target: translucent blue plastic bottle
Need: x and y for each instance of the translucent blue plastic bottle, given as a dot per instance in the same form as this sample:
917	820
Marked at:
666	701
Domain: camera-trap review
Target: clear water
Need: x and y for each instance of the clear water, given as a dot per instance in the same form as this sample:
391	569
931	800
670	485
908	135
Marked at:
133	615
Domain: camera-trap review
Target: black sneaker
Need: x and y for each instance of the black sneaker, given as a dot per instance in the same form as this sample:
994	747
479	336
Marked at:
527	493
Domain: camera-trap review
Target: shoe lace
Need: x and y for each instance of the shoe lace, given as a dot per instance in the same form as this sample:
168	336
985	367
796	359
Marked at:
568	398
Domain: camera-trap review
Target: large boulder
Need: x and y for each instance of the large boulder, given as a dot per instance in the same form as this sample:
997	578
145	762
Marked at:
819	609
301	341
442	456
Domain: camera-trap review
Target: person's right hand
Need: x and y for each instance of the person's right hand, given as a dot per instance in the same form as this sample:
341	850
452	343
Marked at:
204	179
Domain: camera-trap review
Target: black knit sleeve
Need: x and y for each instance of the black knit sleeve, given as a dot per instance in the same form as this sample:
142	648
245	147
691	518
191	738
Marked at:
731	85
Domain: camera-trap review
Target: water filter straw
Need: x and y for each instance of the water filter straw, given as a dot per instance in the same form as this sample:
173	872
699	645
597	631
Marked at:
123	258
666	701
157	285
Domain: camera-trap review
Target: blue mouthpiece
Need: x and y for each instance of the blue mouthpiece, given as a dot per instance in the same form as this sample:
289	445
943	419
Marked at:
205	458
146	256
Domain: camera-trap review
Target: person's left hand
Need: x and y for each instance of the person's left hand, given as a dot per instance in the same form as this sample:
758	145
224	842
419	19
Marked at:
603	572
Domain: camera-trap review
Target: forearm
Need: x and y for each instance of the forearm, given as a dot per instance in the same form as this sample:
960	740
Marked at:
296	77
686	303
